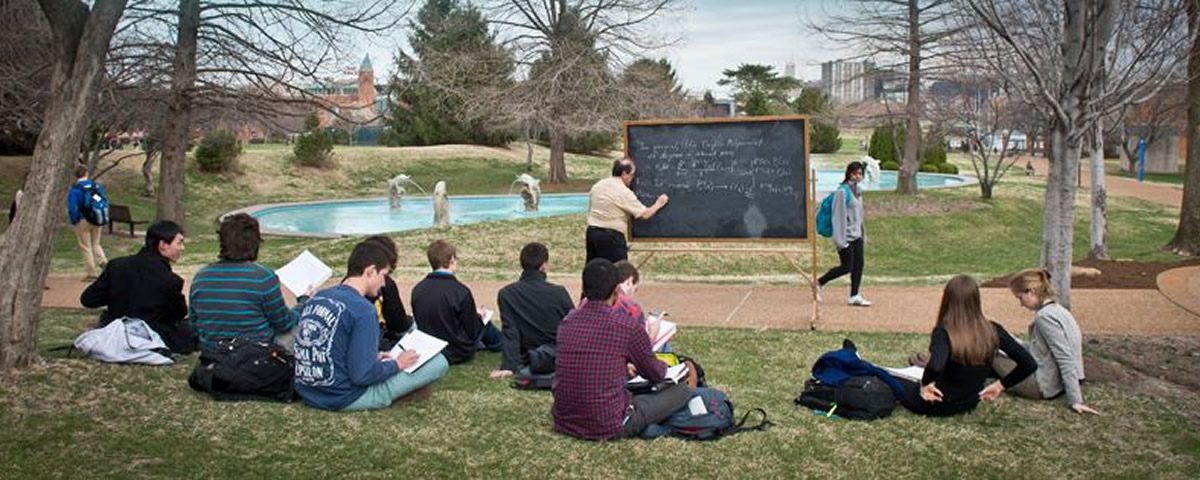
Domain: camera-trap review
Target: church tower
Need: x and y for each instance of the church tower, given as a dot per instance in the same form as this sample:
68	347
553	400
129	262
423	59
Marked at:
366	84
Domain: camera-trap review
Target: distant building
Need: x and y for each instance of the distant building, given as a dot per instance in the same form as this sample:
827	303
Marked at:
847	82
356	99
1162	122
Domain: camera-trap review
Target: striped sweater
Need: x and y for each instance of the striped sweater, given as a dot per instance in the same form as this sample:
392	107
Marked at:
239	299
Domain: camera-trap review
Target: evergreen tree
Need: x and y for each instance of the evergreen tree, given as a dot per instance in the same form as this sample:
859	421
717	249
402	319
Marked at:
455	56
758	89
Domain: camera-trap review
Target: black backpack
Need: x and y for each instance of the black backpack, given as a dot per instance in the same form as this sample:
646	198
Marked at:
857	398
239	369
716	419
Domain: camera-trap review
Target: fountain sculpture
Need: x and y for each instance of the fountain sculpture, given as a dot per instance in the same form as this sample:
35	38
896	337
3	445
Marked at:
530	191
441	207
396	189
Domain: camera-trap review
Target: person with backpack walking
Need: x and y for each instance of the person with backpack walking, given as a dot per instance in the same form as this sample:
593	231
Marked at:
961	350
844	208
87	209
1054	341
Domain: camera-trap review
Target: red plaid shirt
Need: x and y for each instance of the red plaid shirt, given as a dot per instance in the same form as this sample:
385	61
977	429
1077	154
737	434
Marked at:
595	342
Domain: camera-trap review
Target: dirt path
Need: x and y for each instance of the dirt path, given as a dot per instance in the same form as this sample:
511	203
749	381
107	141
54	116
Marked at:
1165	194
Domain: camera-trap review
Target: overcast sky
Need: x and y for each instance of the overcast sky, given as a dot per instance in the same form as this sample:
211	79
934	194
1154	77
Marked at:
714	35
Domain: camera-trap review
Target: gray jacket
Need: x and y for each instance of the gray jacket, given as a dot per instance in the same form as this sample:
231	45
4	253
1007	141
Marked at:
848	222
1057	345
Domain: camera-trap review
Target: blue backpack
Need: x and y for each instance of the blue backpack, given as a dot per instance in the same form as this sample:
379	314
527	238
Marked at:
94	204
717	421
825	213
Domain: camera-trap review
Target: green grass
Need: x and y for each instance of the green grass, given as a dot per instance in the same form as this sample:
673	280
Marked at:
73	417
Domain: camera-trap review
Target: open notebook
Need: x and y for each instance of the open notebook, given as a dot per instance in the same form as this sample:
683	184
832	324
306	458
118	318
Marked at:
666	330
908	373
674	374
304	272
427	346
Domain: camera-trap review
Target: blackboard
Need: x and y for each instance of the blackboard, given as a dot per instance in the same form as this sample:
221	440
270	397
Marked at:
744	178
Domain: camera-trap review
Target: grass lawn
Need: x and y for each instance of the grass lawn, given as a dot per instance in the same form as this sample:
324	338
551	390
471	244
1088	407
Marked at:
80	418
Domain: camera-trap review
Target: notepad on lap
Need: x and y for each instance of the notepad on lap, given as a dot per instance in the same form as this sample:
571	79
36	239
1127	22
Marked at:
427	346
666	330
304	272
675	374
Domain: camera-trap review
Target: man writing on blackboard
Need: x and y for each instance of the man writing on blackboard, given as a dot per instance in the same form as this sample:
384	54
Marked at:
610	205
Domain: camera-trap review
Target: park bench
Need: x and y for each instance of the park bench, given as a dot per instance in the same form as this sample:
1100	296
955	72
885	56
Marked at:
120	213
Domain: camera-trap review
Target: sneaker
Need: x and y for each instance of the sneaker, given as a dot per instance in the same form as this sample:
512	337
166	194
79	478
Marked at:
817	292
859	301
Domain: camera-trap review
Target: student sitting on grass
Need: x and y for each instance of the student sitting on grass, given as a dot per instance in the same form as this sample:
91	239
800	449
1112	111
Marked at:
531	309
237	297
629	278
394	321
337	364
443	307
1054	341
961	350
596	343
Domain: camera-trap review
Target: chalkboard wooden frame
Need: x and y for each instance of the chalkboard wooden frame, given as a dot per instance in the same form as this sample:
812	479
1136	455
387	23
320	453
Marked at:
810	191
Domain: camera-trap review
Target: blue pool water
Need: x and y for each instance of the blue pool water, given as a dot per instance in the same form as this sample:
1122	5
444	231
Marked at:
371	216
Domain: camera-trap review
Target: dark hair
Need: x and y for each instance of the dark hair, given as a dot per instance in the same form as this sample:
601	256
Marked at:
852	168
366	254
239	238
622	166
80	171
626	270
439	253
534	255
389	247
162	231
973	340
599	279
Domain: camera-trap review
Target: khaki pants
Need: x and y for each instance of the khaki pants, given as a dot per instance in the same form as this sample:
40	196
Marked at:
1027	388
88	238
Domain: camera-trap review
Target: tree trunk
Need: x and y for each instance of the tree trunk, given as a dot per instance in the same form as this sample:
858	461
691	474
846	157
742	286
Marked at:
558	163
1187	235
1099	228
906	181
80	43
1058	223
147	174
171	172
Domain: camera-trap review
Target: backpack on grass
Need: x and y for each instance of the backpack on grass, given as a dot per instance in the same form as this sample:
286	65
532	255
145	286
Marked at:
707	416
240	369
94	204
856	398
825	212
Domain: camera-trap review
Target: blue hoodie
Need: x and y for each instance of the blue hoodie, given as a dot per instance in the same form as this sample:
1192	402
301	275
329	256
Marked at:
75	199
337	343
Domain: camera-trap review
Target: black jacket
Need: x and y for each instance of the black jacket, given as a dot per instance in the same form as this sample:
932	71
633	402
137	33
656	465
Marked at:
143	286
444	307
396	321
531	309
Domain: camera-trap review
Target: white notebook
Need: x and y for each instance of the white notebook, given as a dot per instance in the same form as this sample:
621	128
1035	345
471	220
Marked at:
304	272
909	373
427	346
674	374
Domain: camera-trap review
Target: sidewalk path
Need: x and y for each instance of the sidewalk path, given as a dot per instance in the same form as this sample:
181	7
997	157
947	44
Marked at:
896	309
1182	287
1171	195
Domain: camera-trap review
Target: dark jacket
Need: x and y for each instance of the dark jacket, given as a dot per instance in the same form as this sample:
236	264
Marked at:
143	286
837	366
396	321
531	309
444	307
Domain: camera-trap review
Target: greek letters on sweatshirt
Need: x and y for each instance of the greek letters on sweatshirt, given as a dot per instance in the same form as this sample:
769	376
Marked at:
337	344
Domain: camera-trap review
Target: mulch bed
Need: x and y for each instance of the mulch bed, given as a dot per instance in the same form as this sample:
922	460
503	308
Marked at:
1113	274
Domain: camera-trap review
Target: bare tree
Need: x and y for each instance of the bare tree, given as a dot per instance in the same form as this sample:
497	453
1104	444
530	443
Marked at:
241	59
81	38
982	113
24	69
914	30
1062	49
1187	235
567	50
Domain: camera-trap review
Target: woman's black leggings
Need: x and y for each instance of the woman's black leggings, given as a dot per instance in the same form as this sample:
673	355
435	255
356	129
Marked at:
852	263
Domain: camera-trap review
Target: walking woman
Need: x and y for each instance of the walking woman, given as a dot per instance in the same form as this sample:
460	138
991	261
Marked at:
849	233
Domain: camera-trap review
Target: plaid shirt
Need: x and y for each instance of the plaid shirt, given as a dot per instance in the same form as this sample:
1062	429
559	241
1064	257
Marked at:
595	342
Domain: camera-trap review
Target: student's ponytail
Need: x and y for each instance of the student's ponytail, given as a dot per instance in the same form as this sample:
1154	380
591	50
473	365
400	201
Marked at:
1036	280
